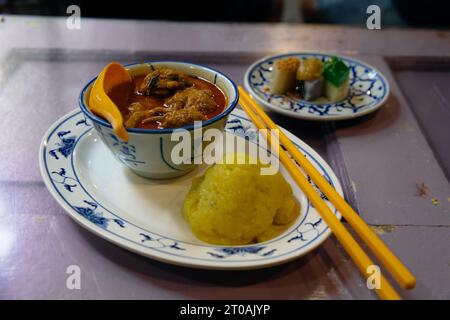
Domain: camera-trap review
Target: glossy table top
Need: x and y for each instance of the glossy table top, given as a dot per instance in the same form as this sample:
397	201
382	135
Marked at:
381	159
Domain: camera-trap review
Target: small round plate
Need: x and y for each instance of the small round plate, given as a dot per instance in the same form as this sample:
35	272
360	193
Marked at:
145	216
369	90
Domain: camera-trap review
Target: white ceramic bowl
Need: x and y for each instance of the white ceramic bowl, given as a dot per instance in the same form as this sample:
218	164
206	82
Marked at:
148	152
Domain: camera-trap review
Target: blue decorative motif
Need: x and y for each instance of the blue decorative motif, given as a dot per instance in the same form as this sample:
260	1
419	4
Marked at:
119	222
83	121
61	178
242	251
127	151
322	195
368	89
248	132
90	213
313	228
162	242
65	146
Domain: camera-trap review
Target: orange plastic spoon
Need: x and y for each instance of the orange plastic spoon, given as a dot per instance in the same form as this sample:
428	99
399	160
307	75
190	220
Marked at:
100	102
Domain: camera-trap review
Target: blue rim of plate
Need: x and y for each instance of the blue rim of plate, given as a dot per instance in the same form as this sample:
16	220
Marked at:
227	110
364	98
110	225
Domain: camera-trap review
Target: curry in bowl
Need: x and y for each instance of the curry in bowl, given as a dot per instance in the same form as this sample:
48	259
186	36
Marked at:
167	98
147	102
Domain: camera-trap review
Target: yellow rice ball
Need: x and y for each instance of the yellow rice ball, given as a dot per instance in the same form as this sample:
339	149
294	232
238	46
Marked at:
233	204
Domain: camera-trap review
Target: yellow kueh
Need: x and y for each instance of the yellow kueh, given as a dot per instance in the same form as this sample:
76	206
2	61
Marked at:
234	204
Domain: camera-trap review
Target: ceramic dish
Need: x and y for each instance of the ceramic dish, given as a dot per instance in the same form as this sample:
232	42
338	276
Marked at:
146	218
138	153
369	90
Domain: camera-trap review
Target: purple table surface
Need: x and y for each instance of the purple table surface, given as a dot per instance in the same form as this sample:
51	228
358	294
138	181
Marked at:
380	159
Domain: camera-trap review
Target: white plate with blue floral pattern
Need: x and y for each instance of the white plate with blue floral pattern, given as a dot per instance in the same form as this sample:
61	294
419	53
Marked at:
144	216
369	90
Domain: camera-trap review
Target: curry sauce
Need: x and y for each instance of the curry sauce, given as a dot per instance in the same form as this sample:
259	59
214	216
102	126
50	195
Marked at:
166	98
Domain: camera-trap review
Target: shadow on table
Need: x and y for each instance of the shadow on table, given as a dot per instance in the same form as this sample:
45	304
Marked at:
315	130
318	134
153	268
373	122
305	278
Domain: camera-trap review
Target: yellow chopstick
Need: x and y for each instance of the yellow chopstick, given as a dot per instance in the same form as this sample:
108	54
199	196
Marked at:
362	261
398	270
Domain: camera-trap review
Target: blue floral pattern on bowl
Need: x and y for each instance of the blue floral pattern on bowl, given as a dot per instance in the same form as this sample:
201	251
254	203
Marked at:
369	90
